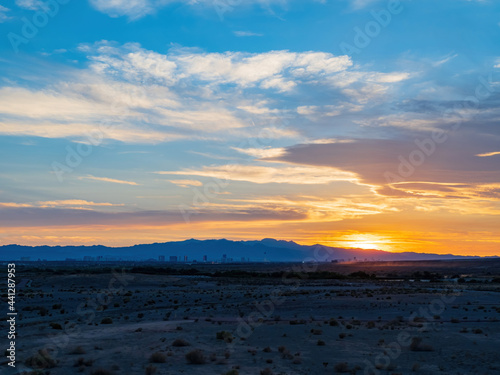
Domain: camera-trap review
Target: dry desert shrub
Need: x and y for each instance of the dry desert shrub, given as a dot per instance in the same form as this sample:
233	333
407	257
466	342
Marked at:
180	343
101	371
158	357
297	361
224	335
80	362
41	360
266	371
107	321
196	357
150	370
78	350
342	367
333	322
55	326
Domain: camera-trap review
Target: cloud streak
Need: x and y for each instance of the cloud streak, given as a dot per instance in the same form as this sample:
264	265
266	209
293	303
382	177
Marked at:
107	179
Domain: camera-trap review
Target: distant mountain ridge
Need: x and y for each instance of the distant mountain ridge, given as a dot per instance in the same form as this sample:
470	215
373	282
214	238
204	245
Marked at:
267	249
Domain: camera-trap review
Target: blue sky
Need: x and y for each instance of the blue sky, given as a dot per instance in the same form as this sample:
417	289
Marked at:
150	120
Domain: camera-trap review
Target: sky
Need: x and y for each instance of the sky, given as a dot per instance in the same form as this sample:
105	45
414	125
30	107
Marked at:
350	123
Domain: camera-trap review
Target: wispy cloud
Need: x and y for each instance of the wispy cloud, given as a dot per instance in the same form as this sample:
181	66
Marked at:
31	4
261	152
3	15
68	203
445	59
489	154
186	183
106	179
246	33
266	175
15	205
360	4
74	202
135	9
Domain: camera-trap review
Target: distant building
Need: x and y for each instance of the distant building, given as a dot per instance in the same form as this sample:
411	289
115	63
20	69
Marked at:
242	259
205	258
88	258
185	258
161	258
224	258
25	259
173	258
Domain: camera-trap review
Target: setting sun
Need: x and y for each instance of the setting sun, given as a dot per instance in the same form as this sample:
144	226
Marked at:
359	241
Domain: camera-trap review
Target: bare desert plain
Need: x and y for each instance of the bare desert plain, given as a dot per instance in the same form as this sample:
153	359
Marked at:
258	319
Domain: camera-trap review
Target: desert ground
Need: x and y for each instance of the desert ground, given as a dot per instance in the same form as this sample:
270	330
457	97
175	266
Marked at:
122	320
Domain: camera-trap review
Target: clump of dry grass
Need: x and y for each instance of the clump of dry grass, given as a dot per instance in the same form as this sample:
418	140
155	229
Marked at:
417	345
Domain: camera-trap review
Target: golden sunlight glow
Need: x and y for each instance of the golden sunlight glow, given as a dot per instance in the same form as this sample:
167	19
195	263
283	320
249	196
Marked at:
361	241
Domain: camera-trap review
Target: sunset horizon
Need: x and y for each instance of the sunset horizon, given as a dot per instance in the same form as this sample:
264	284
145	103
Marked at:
328	122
